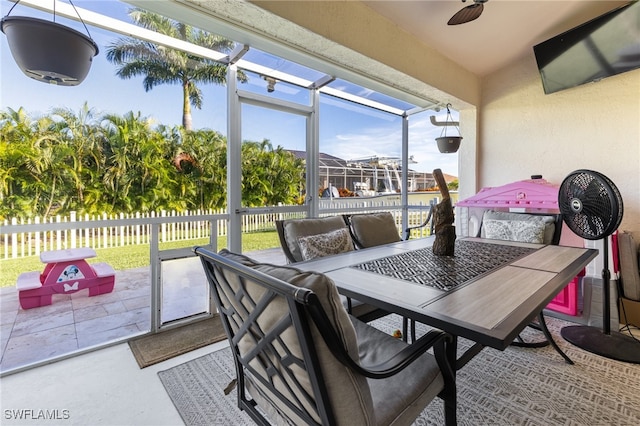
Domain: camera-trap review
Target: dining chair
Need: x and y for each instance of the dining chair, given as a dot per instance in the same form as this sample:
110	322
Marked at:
540	228
376	229
291	231
427	222
301	359
295	233
372	229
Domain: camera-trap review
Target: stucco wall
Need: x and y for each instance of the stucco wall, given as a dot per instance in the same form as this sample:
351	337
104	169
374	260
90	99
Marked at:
594	126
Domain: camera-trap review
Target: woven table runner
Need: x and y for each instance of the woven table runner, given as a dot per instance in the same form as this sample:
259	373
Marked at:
421	266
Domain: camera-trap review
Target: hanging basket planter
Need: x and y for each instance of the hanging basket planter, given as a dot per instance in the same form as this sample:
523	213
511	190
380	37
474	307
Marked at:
448	144
47	51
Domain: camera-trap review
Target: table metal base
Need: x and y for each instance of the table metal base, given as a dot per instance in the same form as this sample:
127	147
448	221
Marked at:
542	326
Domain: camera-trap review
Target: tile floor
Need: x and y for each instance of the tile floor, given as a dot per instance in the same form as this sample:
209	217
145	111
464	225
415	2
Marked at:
76	322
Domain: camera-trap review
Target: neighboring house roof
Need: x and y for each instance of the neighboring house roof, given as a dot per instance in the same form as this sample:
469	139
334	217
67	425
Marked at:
327	160
449	178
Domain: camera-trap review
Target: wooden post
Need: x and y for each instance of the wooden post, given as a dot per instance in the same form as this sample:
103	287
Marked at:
443	218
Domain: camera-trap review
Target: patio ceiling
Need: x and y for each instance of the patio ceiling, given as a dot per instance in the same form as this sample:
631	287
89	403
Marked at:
506	30
248	58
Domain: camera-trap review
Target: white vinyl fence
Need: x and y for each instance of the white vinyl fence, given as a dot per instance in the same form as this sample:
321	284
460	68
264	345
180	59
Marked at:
109	231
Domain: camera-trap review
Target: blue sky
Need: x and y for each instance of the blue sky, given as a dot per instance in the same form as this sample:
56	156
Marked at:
346	132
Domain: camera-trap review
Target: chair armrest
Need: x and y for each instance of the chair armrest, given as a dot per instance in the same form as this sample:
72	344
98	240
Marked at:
434	339
407	231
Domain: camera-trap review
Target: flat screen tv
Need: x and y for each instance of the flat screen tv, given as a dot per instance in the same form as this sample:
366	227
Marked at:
605	46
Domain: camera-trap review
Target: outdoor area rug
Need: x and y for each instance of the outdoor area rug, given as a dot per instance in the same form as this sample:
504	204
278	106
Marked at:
149	350
518	386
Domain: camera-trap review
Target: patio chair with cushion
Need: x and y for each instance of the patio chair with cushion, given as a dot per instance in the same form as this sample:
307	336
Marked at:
537	228
375	229
372	229
306	239
301	359
313	232
427	222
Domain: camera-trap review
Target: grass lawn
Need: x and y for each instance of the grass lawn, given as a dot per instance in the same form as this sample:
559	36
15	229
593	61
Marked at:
133	256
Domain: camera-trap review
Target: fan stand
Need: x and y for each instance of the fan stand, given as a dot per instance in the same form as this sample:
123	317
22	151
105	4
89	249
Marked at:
605	343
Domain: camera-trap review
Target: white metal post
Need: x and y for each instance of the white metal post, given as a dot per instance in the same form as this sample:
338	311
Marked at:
234	161
404	195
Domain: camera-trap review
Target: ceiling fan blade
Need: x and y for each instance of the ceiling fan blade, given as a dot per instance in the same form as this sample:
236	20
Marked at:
467	14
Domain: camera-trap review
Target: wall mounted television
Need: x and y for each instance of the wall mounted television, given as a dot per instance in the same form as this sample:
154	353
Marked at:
605	46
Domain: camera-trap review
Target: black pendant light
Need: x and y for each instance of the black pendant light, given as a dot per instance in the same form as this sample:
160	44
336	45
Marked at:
47	51
448	144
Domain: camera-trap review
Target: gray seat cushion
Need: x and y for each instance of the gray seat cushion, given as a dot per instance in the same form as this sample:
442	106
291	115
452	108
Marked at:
374	229
399	399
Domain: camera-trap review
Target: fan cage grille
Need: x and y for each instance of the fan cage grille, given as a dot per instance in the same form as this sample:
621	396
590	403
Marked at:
590	204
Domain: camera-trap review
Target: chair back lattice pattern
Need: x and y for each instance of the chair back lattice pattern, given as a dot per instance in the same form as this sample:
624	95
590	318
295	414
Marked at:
274	355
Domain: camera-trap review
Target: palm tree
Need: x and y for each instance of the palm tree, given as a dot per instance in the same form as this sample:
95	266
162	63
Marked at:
200	164
17	131
34	163
269	175
80	132
162	65
137	164
52	170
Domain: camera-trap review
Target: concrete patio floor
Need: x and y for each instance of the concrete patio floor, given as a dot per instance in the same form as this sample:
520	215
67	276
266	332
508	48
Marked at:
76	322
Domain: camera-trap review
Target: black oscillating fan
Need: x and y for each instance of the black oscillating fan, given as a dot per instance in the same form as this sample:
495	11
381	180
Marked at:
591	206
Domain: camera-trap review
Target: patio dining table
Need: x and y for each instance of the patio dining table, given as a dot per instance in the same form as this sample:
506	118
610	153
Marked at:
488	292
